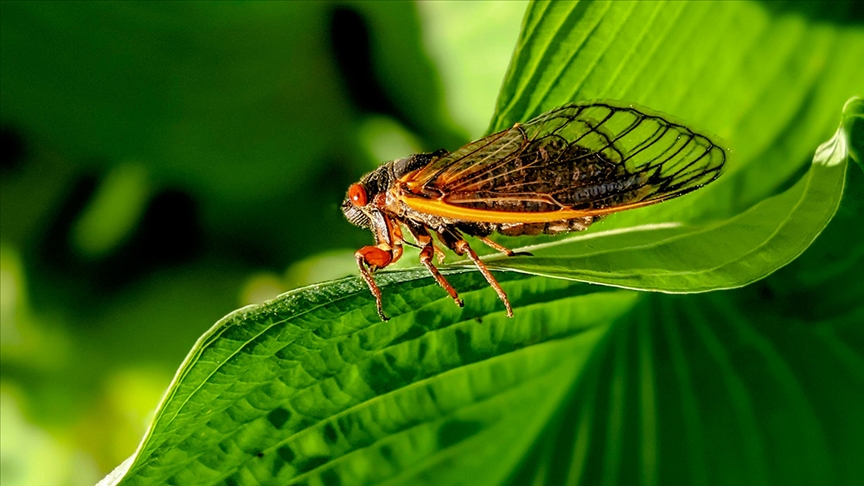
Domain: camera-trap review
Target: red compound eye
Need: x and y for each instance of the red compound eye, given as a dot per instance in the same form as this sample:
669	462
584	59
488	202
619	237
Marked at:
357	195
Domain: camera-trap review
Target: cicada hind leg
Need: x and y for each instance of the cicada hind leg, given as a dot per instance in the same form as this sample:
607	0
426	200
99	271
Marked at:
454	240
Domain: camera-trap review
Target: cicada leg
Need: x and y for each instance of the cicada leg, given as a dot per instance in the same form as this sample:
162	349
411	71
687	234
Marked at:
453	239
438	252
503	249
428	249
369	259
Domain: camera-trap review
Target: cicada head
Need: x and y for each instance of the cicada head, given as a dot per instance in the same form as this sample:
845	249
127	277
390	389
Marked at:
355	207
359	205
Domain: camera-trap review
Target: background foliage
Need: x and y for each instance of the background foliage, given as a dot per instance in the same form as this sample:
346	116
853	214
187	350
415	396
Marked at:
163	162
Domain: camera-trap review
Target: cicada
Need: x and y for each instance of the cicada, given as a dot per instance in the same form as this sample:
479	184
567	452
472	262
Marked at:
559	172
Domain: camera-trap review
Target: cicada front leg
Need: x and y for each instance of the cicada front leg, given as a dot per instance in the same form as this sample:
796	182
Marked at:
370	259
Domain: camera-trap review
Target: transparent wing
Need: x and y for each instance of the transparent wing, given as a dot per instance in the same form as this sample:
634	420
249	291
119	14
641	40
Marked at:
588	157
469	159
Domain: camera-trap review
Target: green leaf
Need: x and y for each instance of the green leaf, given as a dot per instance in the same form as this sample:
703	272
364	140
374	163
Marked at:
313	386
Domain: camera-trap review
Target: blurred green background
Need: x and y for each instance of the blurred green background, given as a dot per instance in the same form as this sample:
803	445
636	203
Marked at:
166	163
